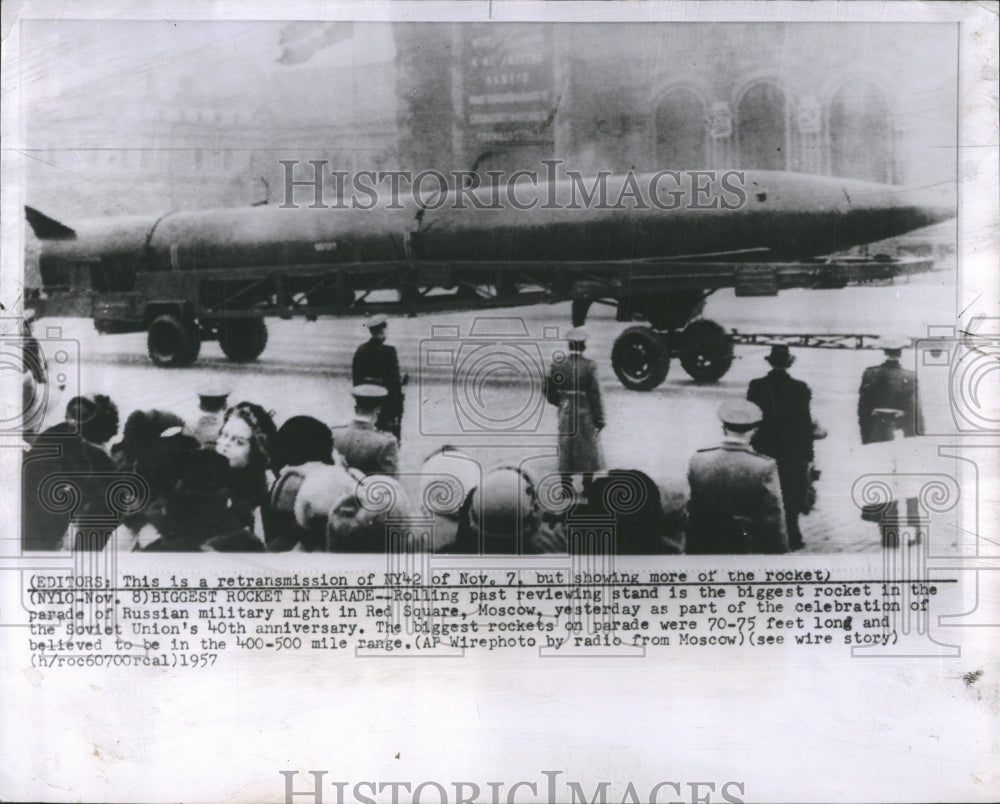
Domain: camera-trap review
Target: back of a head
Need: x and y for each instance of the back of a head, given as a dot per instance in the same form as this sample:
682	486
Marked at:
164	460
142	428
633	500
503	511
201	475
198	501
360	522
322	486
96	416
301	439
447	479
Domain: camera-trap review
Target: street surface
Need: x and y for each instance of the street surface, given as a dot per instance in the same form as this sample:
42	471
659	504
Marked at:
483	393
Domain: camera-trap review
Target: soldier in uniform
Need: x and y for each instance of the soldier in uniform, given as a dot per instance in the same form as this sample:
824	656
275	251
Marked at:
211	407
887	399
785	433
361	444
376	363
888	403
735	501
572	386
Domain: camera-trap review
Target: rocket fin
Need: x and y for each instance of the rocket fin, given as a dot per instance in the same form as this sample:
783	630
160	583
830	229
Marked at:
46	228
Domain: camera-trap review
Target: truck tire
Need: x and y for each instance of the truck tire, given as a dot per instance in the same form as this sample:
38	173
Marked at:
172	342
706	351
640	359
243	339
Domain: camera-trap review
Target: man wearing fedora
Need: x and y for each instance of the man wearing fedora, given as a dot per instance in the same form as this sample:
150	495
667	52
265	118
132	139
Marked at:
785	433
376	363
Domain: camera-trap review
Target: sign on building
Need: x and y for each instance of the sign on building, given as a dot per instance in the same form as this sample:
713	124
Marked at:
508	84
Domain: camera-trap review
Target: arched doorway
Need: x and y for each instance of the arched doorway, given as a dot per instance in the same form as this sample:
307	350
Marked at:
860	132
681	129
762	126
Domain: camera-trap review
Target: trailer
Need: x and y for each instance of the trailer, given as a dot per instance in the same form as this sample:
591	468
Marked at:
180	309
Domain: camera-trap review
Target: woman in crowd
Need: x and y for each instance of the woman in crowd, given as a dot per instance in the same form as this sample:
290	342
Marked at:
245	441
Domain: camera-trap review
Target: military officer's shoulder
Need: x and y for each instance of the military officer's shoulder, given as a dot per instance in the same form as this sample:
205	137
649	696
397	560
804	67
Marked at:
753	455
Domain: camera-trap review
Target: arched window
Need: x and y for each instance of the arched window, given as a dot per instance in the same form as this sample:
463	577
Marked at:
860	133
762	128
681	128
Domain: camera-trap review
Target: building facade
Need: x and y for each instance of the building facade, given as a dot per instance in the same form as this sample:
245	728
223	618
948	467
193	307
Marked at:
864	101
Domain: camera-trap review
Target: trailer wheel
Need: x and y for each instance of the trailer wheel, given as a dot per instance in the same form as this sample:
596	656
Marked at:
706	351
243	339
172	342
640	359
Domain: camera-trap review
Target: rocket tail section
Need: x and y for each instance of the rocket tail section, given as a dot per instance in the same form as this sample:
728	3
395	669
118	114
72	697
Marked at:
46	228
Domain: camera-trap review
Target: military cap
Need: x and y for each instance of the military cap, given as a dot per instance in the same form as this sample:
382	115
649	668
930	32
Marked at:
740	413
893	343
780	355
213	393
376	321
369	391
577	335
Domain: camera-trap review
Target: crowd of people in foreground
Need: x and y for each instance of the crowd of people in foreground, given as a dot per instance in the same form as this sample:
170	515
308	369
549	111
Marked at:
234	481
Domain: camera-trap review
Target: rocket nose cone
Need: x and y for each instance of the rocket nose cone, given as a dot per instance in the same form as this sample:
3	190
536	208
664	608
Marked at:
928	204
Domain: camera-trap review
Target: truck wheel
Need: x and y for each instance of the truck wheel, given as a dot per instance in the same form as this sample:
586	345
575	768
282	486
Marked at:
706	351
242	339
172	342
640	359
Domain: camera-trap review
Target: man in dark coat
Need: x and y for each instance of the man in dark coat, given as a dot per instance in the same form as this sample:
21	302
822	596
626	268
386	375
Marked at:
785	434
735	502
572	386
888	399
66	474
888	403
376	363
